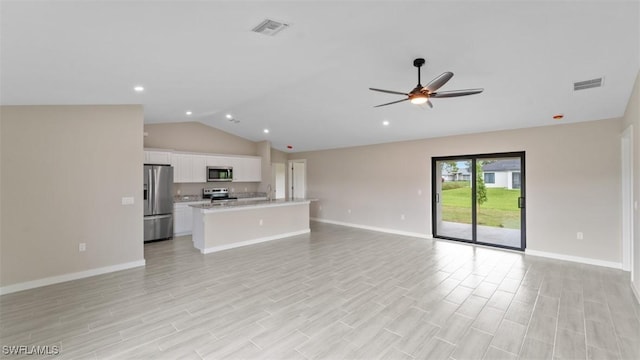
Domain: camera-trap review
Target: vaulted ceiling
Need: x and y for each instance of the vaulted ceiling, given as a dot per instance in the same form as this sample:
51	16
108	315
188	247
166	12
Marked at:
308	85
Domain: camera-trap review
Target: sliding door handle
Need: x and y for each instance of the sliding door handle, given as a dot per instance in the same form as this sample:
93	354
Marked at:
437	198
521	202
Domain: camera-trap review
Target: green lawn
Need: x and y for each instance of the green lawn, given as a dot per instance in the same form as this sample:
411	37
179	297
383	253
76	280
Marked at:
500	209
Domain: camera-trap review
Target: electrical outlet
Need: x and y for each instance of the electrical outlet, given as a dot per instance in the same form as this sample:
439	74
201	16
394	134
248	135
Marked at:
348	211
260	222
127	201
579	235
82	247
402	217
419	192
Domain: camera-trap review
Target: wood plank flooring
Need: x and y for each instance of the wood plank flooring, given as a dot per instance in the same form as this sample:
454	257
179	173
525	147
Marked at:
337	293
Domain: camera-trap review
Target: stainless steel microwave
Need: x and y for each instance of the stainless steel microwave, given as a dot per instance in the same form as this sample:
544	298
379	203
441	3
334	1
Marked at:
219	173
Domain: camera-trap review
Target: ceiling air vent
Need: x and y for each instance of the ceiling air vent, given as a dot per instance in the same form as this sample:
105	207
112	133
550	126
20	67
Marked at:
587	84
270	27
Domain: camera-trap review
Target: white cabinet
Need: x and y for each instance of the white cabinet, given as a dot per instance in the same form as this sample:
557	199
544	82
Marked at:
183	217
247	169
189	168
199	169
213	160
157	157
192	168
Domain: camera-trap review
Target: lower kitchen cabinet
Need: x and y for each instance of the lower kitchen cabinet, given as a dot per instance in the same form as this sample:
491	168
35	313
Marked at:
183	217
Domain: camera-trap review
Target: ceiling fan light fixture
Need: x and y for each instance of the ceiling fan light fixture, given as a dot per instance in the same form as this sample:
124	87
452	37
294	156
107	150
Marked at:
419	99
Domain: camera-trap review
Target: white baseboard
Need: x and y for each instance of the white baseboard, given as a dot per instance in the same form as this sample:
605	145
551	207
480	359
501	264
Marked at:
68	277
253	241
374	228
578	259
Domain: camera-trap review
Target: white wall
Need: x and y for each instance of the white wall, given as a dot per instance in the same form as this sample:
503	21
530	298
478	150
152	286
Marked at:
573	184
65	170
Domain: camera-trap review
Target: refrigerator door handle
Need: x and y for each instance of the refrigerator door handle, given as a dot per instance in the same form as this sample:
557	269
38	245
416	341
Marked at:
155	191
150	195
156	217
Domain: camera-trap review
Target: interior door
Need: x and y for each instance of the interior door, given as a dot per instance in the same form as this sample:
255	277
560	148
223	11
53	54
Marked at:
298	179
480	199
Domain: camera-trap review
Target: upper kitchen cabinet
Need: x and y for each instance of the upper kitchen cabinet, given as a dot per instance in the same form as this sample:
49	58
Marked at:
189	168
247	169
192	168
157	157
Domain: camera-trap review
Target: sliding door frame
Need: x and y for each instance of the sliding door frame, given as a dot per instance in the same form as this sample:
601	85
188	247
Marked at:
474	212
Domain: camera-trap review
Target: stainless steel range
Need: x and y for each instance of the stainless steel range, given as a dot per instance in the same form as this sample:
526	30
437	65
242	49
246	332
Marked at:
217	194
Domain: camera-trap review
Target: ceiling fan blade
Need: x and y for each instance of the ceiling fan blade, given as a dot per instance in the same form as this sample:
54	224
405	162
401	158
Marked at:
393	102
430	103
437	83
389	91
454	93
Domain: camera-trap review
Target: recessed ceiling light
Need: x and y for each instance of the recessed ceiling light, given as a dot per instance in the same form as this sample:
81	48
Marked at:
138	88
188	113
385	123
228	116
266	131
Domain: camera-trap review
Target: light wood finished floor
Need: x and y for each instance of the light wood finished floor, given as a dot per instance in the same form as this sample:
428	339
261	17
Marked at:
336	293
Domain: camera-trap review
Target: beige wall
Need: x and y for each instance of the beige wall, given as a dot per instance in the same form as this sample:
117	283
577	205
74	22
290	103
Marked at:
632	117
196	137
278	156
573	184
64	172
263	149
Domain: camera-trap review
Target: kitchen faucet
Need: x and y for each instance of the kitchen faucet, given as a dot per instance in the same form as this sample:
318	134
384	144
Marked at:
269	192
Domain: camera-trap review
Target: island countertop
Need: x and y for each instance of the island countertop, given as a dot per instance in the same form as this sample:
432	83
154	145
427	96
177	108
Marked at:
247	204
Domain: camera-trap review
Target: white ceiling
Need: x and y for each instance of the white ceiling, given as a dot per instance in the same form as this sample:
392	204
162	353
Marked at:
309	84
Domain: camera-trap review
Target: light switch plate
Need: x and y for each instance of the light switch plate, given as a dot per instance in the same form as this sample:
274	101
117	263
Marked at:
127	201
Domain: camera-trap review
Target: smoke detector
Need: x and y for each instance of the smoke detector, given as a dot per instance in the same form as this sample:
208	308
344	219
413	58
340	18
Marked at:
587	84
270	27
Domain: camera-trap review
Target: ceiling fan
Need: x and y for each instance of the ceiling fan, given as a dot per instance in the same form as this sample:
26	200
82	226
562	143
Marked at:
420	95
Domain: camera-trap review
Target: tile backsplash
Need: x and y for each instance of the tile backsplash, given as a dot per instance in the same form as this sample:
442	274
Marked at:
196	188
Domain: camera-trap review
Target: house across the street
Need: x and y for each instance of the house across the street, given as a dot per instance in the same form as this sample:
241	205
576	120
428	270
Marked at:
502	174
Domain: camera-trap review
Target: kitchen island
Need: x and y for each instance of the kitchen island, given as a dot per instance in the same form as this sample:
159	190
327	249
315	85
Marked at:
218	227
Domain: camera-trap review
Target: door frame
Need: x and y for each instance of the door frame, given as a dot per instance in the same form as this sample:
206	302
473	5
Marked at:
474	157
627	199
289	188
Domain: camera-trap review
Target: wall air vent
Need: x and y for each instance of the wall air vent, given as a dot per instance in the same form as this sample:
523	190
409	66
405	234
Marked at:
587	84
270	27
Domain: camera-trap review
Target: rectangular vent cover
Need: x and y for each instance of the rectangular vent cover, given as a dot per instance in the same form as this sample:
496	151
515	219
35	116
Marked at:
587	84
270	27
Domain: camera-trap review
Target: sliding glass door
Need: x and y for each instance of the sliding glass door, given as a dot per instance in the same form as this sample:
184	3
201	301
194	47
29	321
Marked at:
480	199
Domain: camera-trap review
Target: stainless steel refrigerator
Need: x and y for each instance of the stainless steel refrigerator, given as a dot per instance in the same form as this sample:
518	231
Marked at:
158	202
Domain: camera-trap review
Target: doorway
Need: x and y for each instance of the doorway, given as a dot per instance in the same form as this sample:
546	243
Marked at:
298	179
480	199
